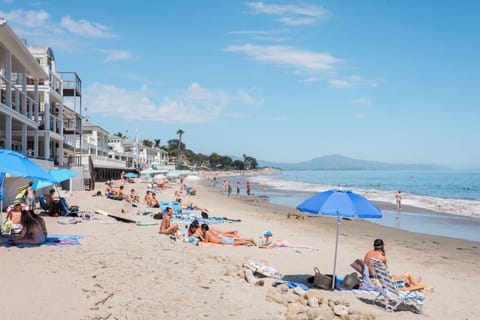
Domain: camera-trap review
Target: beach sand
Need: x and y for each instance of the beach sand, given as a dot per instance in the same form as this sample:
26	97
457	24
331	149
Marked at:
125	271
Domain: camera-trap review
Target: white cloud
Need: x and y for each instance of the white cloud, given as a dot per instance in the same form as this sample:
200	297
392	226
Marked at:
26	18
86	29
116	55
363	100
293	15
345	83
303	60
193	105
248	99
360	115
310	79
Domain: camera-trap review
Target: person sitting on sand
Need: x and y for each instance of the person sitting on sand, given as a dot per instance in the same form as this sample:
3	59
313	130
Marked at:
14	212
32	232
134	196
208	236
148	198
379	253
154	201
267	240
52	203
166	227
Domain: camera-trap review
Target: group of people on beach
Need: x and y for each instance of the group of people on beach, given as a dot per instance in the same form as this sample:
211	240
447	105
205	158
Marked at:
24	225
227	187
208	234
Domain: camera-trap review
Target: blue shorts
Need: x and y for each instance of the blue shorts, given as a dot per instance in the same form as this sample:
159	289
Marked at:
226	240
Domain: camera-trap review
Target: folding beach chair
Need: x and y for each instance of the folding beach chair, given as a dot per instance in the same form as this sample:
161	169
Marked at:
164	205
392	293
67	210
177	208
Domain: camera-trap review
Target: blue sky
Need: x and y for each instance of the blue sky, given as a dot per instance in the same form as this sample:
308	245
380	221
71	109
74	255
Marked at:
394	81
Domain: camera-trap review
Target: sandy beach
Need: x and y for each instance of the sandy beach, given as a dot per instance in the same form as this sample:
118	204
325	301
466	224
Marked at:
124	271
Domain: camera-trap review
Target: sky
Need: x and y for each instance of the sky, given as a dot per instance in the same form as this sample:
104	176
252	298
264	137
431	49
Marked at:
286	81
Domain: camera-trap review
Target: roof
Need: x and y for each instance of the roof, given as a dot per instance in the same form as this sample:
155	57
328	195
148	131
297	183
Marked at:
21	53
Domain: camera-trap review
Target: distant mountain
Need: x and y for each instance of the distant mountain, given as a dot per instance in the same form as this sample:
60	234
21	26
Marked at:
339	162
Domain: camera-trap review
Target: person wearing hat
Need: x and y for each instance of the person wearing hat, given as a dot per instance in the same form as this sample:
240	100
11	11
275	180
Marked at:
14	212
380	253
267	241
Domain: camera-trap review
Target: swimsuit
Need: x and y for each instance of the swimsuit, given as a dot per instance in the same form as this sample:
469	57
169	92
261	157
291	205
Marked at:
226	240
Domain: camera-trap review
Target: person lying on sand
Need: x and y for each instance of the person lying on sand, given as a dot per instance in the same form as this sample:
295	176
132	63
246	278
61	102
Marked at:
189	205
165	226
208	236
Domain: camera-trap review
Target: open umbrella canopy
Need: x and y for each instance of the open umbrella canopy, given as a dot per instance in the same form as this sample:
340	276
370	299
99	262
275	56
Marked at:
130	175
17	164
58	175
341	204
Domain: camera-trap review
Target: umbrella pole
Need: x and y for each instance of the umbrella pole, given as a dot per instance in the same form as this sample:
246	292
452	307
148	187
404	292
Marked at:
335	259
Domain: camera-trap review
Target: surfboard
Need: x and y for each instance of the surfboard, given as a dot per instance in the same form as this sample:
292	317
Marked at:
263	270
119	218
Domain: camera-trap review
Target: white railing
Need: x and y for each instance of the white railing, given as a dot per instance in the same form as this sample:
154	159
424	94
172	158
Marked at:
103	162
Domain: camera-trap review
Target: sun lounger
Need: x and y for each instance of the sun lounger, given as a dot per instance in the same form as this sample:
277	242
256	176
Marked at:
393	295
43	203
67	210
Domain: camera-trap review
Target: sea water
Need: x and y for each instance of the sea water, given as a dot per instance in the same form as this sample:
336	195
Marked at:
454	193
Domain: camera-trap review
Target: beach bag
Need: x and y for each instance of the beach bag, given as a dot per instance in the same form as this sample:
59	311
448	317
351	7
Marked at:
158	216
321	280
204	215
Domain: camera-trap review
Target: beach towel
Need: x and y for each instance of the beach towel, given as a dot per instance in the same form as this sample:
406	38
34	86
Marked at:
285	244
52	240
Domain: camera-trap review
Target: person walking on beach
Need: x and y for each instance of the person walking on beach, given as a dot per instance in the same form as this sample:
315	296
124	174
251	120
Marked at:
248	187
398	198
30	200
238	188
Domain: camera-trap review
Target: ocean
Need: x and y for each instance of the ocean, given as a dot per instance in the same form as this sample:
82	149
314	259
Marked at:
454	194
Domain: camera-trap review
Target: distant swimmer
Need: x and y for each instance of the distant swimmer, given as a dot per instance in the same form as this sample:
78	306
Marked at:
398	198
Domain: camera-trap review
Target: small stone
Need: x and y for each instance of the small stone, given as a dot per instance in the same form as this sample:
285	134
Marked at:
340	310
313	302
249	277
283	288
299	291
260	283
293	308
315	294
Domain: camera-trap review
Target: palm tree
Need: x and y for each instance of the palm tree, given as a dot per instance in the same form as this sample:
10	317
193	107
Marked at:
180	132
157	143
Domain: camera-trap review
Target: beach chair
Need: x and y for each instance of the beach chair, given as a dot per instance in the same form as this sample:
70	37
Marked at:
177	208
393	295
164	205
43	203
67	210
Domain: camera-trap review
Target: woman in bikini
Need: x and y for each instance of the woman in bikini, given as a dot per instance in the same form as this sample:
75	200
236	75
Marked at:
33	232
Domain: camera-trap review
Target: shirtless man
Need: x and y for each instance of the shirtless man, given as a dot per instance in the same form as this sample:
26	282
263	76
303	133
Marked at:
398	198
30	200
379	253
208	236
166	227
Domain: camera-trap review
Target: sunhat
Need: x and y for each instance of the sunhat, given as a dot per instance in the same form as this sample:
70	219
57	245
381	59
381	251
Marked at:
17	201
268	233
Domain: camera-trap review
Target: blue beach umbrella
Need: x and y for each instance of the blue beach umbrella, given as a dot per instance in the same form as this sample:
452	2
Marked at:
58	175
130	175
17	164
340	204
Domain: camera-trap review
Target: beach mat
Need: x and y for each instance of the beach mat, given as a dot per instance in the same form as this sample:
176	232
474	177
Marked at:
52	240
